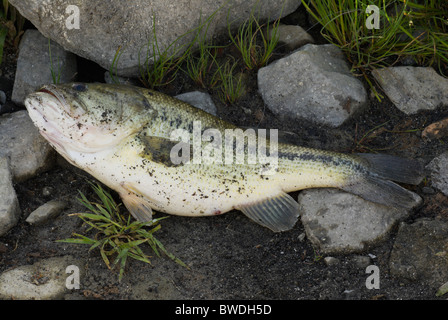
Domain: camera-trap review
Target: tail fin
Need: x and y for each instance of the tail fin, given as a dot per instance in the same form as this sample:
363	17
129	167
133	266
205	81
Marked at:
375	185
394	168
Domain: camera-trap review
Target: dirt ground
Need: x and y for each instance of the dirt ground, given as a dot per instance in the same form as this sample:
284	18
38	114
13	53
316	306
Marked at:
229	256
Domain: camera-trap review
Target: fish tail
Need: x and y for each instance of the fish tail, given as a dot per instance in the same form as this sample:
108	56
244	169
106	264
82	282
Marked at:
375	182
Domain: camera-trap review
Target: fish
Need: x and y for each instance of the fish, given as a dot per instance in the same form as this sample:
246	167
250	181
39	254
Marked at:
141	143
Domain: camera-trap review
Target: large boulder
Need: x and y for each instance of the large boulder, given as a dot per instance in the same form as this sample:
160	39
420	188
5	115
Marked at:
312	83
104	26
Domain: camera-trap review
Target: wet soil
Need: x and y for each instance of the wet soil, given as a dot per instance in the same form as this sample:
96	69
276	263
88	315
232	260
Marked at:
229	256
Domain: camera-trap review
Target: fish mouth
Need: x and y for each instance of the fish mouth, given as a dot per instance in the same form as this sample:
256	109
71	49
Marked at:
34	104
51	90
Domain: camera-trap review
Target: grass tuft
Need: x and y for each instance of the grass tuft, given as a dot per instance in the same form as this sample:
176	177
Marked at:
230	83
118	238
254	44
409	29
161	66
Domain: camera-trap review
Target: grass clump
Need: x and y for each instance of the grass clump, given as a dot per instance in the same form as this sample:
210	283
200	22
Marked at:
255	44
161	66
230	83
408	29
117	237
199	62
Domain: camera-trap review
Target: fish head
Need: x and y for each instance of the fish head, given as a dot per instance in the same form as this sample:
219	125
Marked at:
90	117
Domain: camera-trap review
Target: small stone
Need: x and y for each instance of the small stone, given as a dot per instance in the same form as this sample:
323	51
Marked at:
45	212
413	89
199	100
47	191
436	130
439	173
44	280
331	261
292	36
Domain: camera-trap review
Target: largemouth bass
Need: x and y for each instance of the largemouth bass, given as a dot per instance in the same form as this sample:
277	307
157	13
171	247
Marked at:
123	136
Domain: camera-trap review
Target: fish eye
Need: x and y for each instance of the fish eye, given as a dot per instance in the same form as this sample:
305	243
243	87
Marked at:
79	87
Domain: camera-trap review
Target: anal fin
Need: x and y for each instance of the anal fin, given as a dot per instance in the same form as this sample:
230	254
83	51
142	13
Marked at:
278	213
138	206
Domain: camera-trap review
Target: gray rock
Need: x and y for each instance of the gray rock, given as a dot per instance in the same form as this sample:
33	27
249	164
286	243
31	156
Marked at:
44	280
47	211
339	222
292	36
420	252
313	83
200	100
34	65
9	205
104	26
20	141
439	172
413	89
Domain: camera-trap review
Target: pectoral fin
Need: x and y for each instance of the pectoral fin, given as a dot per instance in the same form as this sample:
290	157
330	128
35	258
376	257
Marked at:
165	151
278	213
138	206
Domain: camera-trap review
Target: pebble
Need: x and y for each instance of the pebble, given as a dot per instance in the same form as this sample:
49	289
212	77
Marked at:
292	36
436	130
331	261
438	168
47	211
413	89
199	100
47	191
44	280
